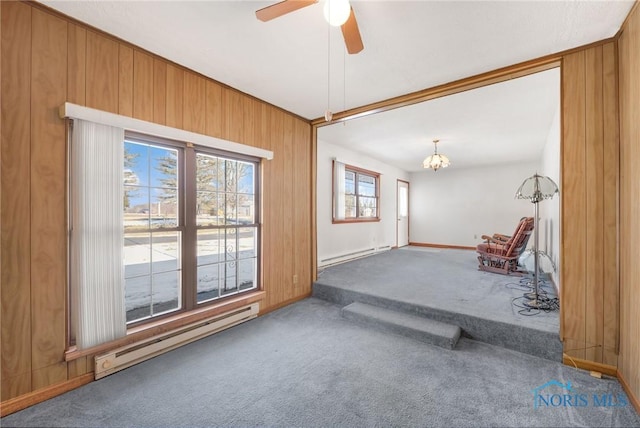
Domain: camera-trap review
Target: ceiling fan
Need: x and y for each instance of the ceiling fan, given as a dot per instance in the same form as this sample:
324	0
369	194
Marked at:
347	22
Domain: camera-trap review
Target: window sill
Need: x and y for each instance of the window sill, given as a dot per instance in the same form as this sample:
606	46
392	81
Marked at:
164	325
354	220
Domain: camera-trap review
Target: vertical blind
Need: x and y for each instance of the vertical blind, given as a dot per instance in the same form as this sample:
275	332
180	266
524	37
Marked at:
338	190
96	228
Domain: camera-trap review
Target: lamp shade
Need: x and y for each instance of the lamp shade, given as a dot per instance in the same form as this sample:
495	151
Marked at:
436	161
537	188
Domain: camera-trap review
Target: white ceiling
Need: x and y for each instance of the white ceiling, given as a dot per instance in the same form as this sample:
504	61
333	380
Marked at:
409	46
500	123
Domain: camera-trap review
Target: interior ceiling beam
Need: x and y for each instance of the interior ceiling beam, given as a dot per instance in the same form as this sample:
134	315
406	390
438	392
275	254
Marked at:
484	79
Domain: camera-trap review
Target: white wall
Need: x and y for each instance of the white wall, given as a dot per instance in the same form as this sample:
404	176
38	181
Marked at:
550	209
457	206
335	240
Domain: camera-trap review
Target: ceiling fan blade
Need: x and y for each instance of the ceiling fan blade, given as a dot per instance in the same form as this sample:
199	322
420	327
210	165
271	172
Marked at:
351	34
275	10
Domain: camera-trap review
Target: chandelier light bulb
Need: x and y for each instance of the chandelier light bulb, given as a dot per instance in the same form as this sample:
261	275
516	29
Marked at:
336	12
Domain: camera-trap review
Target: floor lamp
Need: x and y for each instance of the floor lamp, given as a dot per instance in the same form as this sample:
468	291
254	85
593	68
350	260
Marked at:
536	188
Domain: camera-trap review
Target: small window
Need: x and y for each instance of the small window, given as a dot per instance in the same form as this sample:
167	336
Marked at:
356	194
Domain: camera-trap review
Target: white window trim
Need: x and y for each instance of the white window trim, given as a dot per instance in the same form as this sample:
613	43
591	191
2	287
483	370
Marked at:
74	111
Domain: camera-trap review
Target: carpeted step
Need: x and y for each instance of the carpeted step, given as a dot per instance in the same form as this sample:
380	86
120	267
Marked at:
520	337
416	327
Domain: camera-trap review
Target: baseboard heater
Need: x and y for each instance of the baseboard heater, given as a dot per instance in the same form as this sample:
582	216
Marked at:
351	256
134	353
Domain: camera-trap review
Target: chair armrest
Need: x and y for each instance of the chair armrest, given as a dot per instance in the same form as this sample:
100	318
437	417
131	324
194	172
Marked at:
492	240
501	237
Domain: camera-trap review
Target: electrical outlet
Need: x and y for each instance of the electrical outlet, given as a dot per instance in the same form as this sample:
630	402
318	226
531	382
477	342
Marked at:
295	279
475	236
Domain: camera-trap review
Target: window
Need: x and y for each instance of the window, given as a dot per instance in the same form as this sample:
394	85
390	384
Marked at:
355	194
191	226
227	229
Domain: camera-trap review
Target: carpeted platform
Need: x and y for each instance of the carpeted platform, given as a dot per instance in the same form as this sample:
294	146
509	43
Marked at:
306	366
445	285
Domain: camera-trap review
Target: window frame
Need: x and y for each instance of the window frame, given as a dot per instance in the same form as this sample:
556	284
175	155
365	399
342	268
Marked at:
188	227
256	224
357	171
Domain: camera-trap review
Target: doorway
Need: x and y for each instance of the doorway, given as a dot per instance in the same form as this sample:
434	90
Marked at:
402	211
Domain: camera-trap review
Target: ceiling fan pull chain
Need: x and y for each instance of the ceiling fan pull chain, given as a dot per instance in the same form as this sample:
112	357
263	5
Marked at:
327	114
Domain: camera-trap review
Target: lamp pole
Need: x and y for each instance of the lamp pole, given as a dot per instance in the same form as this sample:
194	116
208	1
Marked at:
536	198
534	303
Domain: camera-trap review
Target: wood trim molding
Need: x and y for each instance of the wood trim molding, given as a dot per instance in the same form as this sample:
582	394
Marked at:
626	20
604	369
313	203
450	88
627	389
484	79
149	330
22	402
362	170
583	364
357	220
450	247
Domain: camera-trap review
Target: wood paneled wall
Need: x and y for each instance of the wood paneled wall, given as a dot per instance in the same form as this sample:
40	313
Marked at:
47	60
590	147
629	64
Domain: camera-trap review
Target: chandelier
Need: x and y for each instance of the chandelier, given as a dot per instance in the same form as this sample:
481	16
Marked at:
436	160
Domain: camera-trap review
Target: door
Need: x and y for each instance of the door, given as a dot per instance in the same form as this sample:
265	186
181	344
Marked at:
402	211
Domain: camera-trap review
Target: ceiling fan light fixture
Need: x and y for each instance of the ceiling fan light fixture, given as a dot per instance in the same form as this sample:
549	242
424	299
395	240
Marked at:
436	160
336	12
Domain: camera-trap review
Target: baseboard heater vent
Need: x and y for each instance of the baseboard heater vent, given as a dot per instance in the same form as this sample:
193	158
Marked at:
351	256
134	353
